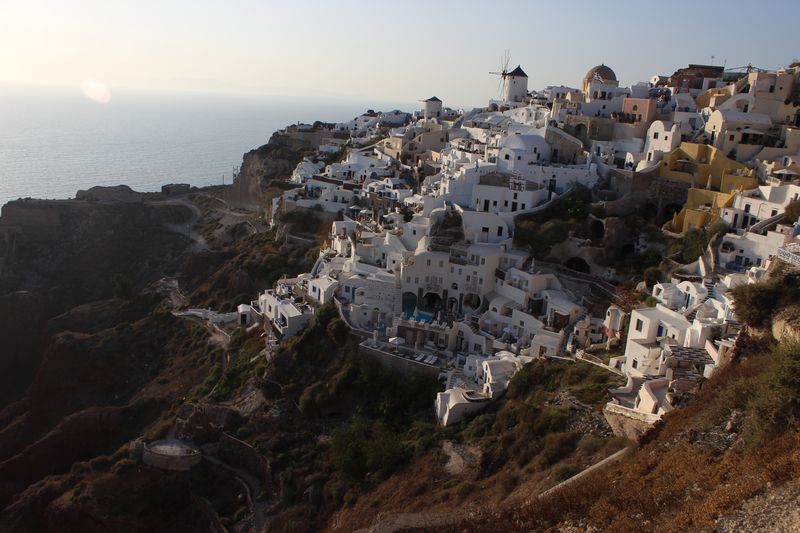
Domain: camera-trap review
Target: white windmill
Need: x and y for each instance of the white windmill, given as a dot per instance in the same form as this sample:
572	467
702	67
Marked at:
513	85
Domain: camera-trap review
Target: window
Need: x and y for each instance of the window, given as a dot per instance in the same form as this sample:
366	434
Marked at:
635	364
523	207
515	196
507	157
519	157
505	203
655	135
429	262
416	281
747	208
494	203
500	230
731	137
639	324
774	212
666	137
485	229
467	278
636	108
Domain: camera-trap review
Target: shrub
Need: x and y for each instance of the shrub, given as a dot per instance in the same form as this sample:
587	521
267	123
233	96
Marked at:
314	396
652	258
507	482
464	490
756	303
565	471
776	404
557	446
364	448
652	275
792	211
694	244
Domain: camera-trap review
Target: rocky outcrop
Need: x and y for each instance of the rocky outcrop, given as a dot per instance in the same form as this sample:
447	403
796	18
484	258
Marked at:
274	160
118	193
786	326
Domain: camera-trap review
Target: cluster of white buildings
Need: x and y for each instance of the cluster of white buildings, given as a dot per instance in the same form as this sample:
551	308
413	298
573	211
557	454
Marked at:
671	347
422	261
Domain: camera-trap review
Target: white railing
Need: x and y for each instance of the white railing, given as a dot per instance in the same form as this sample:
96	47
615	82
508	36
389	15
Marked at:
790	253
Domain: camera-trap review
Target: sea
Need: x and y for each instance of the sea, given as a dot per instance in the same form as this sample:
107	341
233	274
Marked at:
54	142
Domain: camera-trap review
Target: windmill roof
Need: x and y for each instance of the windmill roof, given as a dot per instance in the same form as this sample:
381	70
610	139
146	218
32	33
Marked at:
433	99
518	72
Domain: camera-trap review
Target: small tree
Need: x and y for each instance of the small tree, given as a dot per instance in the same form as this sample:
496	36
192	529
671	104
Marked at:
792	212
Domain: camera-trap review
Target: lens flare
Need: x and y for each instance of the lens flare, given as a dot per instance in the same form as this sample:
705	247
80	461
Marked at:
96	91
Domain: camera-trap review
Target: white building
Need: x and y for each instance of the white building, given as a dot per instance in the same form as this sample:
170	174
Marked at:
455	403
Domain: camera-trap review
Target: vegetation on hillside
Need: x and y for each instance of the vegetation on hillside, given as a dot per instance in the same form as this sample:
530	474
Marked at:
736	439
538	232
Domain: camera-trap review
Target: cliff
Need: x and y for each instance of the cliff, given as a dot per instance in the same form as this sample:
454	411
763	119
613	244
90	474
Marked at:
274	161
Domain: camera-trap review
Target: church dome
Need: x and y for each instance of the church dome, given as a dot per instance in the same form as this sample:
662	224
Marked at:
602	72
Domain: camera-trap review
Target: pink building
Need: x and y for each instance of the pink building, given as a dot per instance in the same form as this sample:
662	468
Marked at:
638	110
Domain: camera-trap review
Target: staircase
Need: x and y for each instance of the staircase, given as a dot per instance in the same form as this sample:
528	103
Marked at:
708	283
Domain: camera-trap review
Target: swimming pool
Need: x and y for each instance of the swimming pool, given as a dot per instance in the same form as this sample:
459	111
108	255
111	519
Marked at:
423	316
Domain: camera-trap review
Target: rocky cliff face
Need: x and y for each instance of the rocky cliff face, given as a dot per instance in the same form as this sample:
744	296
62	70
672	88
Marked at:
276	159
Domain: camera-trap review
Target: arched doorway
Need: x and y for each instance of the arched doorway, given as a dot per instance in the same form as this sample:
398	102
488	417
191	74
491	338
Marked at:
580	131
597	230
409	303
431	301
452	304
472	301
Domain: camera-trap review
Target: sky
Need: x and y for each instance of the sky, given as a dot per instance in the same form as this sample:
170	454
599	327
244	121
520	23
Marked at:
388	51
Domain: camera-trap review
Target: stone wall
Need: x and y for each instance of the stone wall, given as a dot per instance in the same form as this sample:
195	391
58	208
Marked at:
401	364
627	423
169	461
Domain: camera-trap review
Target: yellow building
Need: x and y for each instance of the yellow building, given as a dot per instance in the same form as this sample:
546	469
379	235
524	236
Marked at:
715	180
706	167
702	208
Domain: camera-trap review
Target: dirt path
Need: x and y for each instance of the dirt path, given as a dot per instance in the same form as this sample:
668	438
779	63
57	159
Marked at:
252	487
187	228
458	457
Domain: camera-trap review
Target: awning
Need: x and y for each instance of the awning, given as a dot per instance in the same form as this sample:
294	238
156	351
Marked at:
787	172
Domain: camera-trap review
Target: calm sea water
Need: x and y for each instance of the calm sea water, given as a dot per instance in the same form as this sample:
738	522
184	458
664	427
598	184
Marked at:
53	143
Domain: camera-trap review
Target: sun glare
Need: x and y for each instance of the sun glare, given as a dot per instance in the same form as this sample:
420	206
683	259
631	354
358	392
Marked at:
96	91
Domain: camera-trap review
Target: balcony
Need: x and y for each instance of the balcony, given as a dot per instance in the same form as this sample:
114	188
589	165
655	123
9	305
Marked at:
790	253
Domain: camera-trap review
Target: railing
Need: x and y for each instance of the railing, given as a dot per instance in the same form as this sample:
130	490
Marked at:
790	253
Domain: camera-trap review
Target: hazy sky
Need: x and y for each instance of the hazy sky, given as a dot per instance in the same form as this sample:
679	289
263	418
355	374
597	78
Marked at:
397	51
